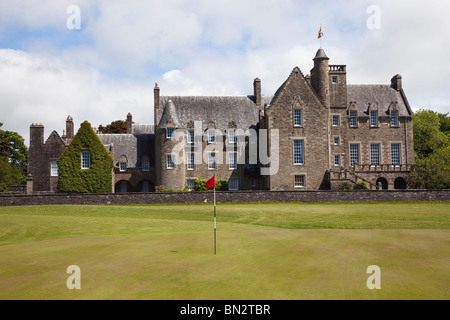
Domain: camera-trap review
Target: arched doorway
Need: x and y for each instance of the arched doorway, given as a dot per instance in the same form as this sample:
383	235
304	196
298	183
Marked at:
123	186
383	183
400	183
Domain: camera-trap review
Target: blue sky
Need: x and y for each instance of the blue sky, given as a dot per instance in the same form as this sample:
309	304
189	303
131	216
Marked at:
109	66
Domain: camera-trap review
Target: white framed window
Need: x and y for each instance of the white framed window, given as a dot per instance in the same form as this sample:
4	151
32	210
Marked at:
212	161
298	120
299	181
212	136
145	166
375	153
233	184
335	120
394	118
354	154
334	80
299	152
85	160
190	136
232	160
191	184
353	119
190	160
336	141
374	118
337	160
395	153
53	168
170	161
170	133
232	136
122	166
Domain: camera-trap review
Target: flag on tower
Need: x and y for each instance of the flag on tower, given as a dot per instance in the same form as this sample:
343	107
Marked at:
320	33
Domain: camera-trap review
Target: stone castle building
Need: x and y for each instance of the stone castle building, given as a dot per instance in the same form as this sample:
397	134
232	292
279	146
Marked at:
315	132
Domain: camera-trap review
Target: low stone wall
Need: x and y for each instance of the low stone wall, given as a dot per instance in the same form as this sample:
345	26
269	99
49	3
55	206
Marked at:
226	197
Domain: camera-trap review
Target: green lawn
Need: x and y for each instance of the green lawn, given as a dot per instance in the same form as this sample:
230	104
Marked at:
264	251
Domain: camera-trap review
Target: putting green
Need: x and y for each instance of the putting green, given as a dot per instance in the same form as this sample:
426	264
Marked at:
166	252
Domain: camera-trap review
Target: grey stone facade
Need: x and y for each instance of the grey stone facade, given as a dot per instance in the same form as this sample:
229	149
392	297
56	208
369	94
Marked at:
321	133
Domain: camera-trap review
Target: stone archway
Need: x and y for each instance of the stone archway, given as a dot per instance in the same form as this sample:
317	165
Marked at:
123	186
383	183
400	183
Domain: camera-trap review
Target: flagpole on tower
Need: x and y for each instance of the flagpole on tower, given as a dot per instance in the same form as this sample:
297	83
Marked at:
320	35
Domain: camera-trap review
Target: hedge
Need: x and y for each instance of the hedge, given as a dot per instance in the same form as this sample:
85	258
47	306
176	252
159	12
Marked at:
221	185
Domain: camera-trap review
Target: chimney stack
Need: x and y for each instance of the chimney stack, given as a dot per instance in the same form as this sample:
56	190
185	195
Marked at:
129	123
69	129
396	82
257	91
156	104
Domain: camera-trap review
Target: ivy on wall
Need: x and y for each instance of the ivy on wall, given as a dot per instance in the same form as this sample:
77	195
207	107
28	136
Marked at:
98	178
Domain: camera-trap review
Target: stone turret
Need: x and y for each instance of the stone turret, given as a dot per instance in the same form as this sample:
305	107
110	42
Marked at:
170	141
319	77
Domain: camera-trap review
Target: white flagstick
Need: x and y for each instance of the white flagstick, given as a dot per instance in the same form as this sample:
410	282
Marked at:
214	217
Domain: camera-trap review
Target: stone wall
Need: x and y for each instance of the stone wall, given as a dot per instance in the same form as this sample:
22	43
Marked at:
227	197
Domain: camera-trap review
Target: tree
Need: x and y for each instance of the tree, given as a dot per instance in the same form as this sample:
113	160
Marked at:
428	136
432	150
4	144
13	159
115	127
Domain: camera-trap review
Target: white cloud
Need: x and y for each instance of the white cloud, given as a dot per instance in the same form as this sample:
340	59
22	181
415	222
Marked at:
38	89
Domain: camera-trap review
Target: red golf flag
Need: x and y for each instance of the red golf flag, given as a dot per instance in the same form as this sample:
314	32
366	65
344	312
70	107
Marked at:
211	183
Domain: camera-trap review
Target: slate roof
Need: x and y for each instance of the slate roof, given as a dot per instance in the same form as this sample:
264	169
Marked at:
381	94
218	109
133	146
142	128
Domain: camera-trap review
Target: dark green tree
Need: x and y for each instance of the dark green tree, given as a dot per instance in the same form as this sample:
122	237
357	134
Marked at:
116	127
13	159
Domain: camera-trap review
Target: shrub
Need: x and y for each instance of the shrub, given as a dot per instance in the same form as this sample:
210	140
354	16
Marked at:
346	186
221	185
360	185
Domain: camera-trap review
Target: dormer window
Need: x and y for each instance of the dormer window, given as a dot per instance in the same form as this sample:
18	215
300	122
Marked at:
373	118
211	136
394	118
190	136
232	136
353	119
123	163
170	133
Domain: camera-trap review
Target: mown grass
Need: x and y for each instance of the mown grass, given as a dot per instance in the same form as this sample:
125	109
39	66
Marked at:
265	251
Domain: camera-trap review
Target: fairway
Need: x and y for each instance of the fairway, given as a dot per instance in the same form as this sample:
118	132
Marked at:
264	251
